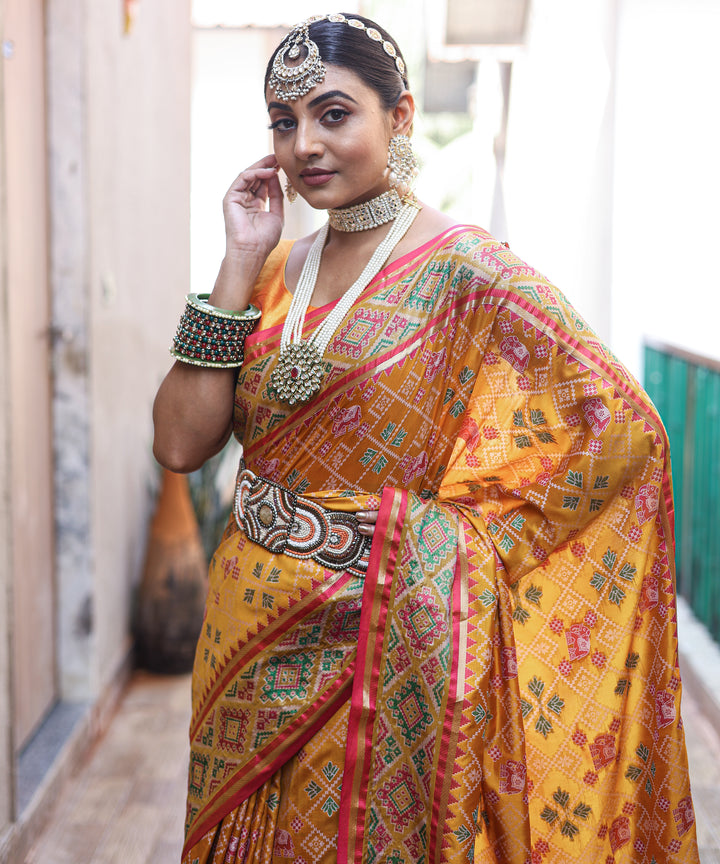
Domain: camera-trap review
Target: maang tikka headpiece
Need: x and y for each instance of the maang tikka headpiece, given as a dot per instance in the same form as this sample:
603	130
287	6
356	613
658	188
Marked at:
293	81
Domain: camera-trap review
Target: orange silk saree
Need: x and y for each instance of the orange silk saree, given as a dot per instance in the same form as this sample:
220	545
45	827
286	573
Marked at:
495	679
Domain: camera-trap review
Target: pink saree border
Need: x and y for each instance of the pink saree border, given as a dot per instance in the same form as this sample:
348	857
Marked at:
378	587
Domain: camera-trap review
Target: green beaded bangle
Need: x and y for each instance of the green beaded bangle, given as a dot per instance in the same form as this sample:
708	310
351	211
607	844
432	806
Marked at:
212	337
200	302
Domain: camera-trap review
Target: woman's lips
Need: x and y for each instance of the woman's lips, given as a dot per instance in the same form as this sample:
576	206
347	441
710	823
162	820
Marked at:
317	178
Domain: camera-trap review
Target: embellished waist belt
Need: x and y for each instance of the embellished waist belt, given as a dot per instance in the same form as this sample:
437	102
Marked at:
285	523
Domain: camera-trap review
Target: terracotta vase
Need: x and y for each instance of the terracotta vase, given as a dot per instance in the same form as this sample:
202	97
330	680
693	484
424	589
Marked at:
171	598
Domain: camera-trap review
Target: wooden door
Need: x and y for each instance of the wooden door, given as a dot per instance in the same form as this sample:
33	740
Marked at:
34	631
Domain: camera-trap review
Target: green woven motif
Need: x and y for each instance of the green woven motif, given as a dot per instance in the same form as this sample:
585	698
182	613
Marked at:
287	677
199	767
411	711
436	539
428	287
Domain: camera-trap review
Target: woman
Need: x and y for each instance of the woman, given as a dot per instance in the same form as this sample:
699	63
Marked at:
440	624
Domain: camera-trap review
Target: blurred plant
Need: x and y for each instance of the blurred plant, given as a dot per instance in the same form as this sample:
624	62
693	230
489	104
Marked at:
211	491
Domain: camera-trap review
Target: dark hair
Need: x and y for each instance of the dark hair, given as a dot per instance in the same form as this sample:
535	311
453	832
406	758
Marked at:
350	47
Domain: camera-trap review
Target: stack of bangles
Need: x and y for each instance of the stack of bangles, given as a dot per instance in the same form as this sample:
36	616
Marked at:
208	336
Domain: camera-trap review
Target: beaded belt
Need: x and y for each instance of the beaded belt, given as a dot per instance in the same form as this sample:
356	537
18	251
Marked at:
285	523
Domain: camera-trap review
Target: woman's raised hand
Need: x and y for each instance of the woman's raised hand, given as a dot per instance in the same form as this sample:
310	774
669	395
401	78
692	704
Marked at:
253	210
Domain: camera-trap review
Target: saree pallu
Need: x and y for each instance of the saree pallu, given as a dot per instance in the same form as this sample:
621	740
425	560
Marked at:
499	681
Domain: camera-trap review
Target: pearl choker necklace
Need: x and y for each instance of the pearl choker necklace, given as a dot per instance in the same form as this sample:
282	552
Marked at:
370	214
298	375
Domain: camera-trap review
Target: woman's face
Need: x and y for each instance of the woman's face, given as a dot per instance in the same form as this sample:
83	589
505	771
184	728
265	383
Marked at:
333	142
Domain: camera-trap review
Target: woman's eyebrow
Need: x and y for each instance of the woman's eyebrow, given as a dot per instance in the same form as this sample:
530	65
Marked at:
331	94
318	100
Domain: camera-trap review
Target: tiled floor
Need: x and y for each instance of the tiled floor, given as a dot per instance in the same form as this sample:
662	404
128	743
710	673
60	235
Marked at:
703	746
126	804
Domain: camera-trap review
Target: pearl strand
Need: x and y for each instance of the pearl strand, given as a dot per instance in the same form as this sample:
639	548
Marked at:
297	377
293	327
322	336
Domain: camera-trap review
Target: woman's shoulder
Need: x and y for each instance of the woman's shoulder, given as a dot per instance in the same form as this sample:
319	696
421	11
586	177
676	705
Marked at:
435	233
432	230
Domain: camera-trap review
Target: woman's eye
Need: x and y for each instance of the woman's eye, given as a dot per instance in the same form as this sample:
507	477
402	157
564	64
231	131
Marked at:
282	125
335	115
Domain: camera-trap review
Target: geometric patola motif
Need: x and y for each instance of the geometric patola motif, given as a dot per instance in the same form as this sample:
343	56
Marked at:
346	622
358	333
435	539
287	677
401	799
233	726
411	710
423	620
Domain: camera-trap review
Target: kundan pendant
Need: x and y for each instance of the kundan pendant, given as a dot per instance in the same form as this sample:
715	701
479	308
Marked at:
298	374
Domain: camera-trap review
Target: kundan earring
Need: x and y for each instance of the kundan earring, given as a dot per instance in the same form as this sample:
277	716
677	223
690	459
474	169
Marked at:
402	165
290	192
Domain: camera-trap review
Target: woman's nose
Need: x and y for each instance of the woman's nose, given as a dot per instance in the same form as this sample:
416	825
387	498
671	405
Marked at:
307	141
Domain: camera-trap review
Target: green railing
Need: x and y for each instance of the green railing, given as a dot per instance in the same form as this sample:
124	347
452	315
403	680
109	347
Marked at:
686	391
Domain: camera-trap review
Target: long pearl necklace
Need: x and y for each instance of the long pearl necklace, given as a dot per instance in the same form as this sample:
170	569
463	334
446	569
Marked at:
299	371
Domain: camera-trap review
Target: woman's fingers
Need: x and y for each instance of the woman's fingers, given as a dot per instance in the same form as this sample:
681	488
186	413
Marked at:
367	520
253	209
276	199
251	186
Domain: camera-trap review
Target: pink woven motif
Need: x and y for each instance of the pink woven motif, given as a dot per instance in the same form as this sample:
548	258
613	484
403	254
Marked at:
424	621
597	415
357	334
516	354
619	833
647	502
401	799
684	815
603	751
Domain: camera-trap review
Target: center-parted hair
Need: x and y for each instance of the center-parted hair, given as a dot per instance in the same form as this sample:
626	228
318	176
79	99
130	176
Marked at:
349	47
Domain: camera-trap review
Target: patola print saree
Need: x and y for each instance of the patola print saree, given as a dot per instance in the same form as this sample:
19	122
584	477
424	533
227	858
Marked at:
494	678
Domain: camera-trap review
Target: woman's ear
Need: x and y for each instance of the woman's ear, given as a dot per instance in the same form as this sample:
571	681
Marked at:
403	114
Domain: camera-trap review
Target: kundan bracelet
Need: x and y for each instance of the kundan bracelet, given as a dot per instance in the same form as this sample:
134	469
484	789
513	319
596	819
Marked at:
212	337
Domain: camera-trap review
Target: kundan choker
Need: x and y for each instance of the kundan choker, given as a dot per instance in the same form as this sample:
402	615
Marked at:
298	375
370	214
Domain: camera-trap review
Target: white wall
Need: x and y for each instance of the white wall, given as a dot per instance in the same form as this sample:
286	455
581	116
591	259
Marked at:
558	180
666	226
139	205
119	127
